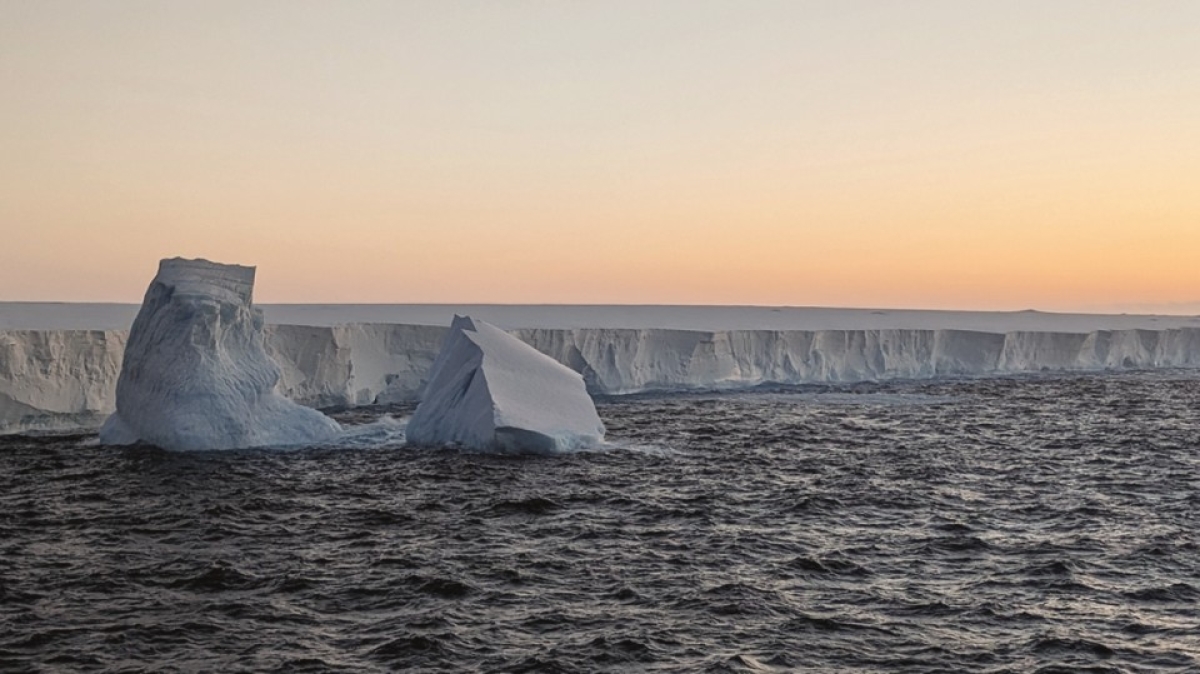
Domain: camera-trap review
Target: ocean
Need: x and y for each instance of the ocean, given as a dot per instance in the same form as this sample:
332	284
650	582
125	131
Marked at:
1039	523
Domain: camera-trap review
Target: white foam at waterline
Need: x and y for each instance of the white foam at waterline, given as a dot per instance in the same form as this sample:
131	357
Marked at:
383	433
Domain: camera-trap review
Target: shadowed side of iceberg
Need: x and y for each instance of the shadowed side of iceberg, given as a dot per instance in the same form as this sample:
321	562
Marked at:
196	374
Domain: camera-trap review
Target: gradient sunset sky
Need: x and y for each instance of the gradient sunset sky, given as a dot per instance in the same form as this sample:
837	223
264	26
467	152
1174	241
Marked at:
935	154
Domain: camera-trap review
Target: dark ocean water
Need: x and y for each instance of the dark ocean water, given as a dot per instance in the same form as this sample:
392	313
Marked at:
1008	525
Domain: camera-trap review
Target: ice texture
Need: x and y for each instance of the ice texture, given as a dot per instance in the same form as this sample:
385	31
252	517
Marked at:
66	379
359	364
58	379
196	374
630	361
489	391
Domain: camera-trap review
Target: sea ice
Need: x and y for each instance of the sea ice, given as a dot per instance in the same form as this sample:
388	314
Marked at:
489	391
196	374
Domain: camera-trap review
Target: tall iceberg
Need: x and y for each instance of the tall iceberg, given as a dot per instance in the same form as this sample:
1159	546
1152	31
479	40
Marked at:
196	374
490	391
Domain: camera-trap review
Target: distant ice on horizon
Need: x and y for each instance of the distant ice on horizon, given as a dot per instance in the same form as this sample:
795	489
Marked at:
99	316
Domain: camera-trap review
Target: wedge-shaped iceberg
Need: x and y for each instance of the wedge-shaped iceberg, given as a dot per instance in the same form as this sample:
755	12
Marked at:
489	391
196	374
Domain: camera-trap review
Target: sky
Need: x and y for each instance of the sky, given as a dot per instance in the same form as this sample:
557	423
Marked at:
949	154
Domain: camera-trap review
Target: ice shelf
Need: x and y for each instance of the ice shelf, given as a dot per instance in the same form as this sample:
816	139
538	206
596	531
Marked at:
66	379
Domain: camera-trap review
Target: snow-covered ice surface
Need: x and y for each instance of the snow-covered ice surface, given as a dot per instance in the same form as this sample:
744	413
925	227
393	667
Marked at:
59	362
489	391
196	374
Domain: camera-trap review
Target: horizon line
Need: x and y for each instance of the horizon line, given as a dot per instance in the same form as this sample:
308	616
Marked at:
1142	309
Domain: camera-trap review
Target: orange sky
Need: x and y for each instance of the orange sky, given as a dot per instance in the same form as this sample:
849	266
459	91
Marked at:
938	154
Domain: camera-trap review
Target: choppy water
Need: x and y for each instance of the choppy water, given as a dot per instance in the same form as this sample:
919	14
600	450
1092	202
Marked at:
1045	524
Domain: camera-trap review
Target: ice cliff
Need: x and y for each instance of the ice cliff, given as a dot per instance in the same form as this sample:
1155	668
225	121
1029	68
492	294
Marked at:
58	379
196	374
67	379
629	361
489	391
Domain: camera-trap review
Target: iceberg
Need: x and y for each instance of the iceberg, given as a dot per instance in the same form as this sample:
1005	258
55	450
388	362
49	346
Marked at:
489	391
196	374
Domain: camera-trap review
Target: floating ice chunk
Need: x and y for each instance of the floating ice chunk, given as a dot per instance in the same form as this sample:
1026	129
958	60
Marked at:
195	373
490	391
